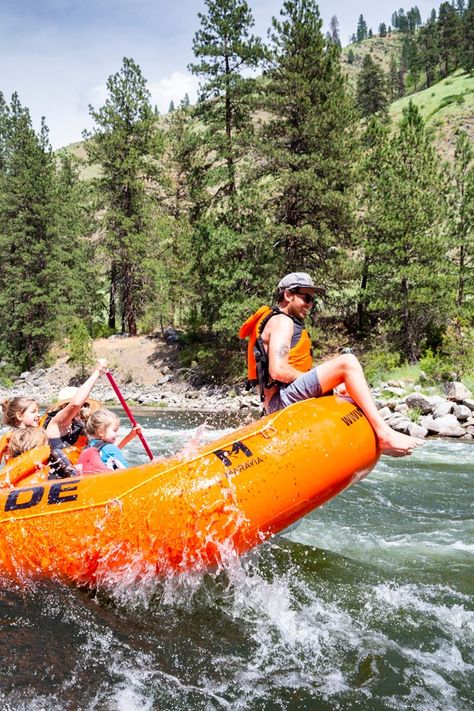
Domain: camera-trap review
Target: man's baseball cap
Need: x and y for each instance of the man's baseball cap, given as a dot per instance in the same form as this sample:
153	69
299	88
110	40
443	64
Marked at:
296	279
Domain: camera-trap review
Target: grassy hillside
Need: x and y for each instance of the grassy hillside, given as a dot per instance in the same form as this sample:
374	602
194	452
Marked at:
447	107
78	150
381	49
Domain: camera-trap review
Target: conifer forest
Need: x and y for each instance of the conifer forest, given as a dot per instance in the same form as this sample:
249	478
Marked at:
283	164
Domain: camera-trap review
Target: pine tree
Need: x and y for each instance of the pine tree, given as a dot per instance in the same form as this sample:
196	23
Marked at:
467	46
361	32
415	64
429	49
350	57
226	50
82	285
461	203
171	107
392	80
409	287
307	144
32	266
449	33
371	91
126	144
413	20
383	29
226	259
334	31
186	200
402	22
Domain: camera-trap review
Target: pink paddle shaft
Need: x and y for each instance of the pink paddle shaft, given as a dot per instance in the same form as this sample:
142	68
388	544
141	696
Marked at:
129	413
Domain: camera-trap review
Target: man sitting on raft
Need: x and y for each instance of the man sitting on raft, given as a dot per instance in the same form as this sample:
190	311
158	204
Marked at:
280	360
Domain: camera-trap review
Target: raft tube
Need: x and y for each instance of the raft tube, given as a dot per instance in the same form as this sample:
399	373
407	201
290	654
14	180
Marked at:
177	514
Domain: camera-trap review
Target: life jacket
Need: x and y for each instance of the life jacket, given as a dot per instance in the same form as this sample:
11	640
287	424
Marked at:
75	435
24	465
4	440
92	462
300	355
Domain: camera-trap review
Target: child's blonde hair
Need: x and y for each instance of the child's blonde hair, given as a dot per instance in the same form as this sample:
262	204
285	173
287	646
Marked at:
25	438
13	408
98	422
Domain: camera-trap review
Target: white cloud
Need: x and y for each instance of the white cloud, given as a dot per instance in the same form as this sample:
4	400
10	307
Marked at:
173	88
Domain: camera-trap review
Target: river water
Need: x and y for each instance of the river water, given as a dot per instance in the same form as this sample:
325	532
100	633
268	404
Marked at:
367	604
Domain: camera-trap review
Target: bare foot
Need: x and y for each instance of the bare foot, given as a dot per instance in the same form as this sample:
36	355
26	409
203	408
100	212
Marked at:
396	444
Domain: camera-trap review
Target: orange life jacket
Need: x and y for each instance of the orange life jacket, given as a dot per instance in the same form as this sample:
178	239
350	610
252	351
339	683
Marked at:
300	356
23	466
4	440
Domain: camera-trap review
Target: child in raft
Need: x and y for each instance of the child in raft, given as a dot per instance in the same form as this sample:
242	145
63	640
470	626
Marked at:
62	427
24	439
102	428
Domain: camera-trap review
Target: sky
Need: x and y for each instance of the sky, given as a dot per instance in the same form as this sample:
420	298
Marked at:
58	54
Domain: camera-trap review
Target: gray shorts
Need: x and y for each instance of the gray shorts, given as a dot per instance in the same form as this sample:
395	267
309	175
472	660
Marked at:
304	387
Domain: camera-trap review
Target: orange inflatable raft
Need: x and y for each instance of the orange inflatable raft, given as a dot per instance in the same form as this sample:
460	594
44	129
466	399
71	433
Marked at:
176	514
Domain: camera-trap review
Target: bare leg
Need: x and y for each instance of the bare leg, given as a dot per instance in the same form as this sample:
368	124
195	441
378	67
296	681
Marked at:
347	369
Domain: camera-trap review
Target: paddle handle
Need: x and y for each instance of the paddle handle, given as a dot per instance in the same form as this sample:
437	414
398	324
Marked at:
128	412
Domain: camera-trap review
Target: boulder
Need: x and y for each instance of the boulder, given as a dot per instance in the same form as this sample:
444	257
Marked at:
415	430
425	403
446	426
398	422
469	404
385	412
444	408
402	408
402	425
457	391
461	412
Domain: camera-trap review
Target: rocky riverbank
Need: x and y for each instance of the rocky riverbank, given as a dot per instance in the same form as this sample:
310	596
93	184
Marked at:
421	415
414	412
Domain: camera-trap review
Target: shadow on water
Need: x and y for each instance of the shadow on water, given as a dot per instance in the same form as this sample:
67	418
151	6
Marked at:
286	627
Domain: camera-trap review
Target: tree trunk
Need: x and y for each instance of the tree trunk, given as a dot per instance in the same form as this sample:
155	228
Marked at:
129	322
112	295
363	286
409	336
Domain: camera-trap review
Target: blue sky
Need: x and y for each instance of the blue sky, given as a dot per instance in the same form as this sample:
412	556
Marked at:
57	54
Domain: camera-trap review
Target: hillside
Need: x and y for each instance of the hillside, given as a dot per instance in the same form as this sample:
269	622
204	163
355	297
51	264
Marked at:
381	49
446	107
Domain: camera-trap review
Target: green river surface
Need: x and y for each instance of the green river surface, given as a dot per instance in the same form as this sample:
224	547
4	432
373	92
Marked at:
366	604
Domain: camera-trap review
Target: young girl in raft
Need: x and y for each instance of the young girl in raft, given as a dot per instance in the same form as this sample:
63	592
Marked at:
24	412
102	428
25	438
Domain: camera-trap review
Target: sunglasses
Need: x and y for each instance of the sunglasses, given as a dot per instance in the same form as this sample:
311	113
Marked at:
307	298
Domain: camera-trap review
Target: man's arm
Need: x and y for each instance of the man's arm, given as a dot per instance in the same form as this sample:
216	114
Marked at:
279	343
